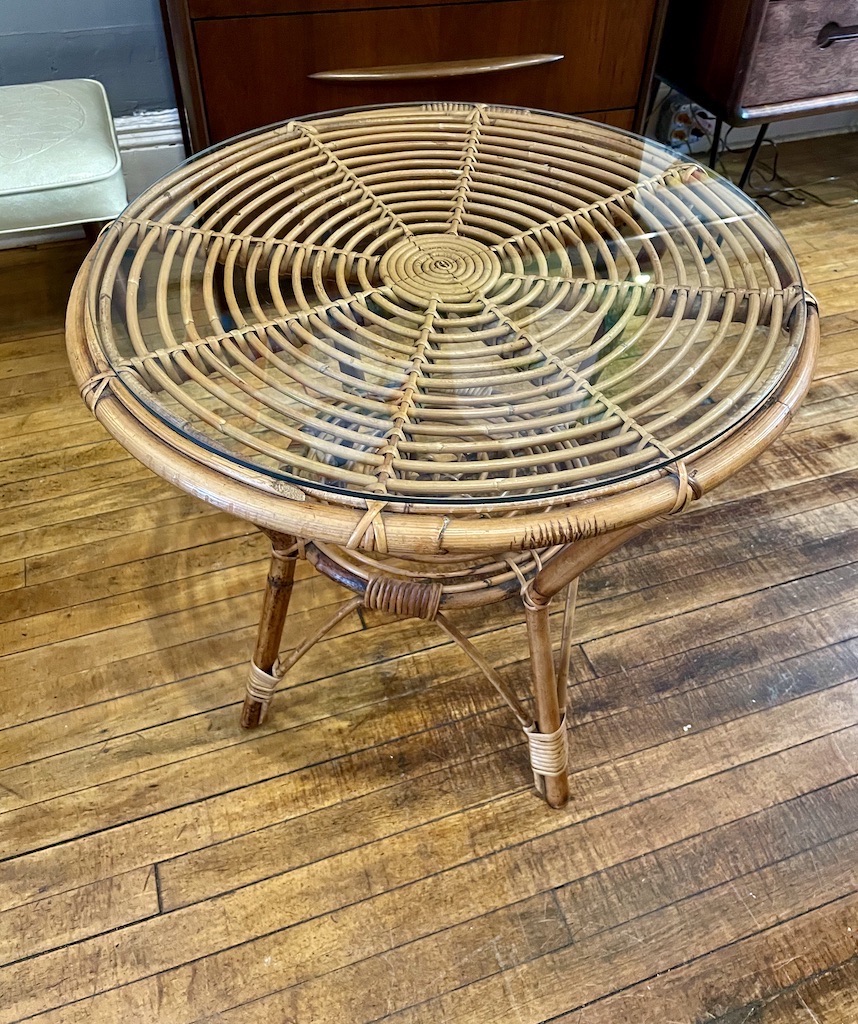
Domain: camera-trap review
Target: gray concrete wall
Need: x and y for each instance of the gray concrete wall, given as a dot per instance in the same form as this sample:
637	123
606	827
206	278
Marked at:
119	42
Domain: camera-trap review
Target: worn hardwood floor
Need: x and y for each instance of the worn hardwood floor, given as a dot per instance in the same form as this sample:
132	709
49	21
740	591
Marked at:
375	850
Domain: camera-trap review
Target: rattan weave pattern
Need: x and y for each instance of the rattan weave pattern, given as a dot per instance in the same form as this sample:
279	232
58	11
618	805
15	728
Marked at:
445	303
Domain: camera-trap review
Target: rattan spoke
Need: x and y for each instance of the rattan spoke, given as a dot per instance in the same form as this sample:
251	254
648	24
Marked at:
679	172
667	295
272	246
406	402
349	175
256	331
469	161
565	369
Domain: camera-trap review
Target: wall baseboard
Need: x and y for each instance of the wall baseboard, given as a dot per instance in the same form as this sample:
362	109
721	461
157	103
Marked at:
151	146
148	129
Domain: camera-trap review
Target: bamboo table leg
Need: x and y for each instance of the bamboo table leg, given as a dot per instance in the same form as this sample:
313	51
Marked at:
550	686
278	591
553	780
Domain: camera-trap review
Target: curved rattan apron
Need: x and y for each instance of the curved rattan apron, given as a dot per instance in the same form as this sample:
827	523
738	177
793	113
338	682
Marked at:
451	354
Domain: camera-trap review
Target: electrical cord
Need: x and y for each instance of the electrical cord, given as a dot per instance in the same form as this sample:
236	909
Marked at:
766	182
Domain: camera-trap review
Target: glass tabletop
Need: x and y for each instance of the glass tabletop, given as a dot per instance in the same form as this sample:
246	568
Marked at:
447	303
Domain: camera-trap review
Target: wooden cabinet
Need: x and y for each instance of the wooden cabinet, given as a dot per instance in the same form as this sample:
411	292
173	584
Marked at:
761	60
242	64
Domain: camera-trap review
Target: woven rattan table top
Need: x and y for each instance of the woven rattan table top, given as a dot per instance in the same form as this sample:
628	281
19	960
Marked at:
445	303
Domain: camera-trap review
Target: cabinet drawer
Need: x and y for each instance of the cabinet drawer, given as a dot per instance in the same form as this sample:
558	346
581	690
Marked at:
788	63
257	70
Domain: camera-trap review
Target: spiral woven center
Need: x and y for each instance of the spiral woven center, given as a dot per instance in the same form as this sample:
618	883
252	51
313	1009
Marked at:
444	267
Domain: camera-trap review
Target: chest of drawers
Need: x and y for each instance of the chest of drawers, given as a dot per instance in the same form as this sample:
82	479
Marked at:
762	60
242	64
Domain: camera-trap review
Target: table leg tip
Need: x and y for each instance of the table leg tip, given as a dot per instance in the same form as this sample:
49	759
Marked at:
252	714
555	791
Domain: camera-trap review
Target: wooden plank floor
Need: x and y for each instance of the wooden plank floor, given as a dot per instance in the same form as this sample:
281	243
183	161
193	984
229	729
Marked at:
375	850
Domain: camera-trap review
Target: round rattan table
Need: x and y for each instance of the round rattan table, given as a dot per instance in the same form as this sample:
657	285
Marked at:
451	354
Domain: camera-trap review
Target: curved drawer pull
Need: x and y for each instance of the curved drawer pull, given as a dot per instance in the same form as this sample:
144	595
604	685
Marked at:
438	69
834	33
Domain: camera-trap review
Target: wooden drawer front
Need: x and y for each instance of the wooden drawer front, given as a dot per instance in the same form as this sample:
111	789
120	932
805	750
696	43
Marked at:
788	63
255	71
615	118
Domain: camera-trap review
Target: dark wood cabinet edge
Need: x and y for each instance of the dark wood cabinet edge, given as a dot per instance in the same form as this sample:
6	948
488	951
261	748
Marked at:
216	9
732	32
181	48
729	114
598	116
648	82
754	18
